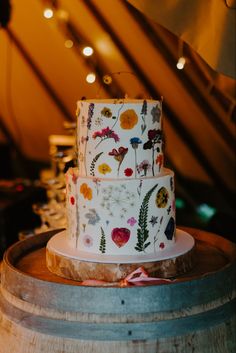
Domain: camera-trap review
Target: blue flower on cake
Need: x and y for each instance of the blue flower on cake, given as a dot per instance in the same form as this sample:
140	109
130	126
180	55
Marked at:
135	141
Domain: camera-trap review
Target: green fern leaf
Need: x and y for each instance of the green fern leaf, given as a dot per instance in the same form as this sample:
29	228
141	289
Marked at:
143	232
92	165
102	246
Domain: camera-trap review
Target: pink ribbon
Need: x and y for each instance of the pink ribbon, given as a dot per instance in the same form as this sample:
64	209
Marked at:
138	277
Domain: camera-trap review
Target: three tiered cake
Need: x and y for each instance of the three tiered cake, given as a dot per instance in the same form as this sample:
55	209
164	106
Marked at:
120	199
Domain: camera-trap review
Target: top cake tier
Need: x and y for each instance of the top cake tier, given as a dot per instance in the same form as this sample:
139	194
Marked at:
119	138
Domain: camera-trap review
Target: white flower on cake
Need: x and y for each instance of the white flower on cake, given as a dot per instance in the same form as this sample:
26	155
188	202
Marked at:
117	198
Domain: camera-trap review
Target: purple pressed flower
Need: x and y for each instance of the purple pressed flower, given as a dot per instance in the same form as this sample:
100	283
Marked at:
132	221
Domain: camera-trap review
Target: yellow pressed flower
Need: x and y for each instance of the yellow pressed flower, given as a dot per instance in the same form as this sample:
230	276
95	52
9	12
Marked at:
106	112
162	197
104	168
128	119
86	191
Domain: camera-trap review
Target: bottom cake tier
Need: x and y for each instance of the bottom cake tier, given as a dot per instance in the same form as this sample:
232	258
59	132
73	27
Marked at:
121	217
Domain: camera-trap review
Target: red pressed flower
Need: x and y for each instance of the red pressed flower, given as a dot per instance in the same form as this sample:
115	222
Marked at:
128	172
97	134
152	134
72	200
121	151
159	160
162	245
120	236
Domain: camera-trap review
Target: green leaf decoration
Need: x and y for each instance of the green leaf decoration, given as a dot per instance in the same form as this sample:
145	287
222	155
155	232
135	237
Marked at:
102	246
92	166
143	232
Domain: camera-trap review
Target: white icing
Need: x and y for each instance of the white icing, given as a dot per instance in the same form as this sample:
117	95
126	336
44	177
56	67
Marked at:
119	139
113	212
120	199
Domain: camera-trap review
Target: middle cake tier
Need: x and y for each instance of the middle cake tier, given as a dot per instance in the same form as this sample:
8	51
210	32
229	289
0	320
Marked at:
121	217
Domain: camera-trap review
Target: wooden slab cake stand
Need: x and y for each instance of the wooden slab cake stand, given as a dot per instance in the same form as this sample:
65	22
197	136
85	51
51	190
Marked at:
69	263
41	312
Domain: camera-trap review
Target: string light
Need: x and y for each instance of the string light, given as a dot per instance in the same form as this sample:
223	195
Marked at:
69	43
48	13
181	63
87	51
91	78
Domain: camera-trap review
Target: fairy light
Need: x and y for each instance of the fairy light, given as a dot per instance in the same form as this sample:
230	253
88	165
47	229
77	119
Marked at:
48	13
91	77
181	63
69	43
87	51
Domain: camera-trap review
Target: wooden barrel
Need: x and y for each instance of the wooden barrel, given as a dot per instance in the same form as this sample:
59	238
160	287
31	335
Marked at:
43	313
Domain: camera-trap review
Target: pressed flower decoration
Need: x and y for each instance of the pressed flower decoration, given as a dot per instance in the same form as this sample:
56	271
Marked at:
88	241
102	246
170	229
156	114
162	197
128	119
132	221
86	191
117	198
92	216
143	231
154	138
162	245
120	236
143	115
159	161
104	168
135	142
119	156
90	115
72	200
106	112
144	167
105	134
128	172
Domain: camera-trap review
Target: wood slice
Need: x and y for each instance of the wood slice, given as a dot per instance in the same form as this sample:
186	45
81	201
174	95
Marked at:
79	270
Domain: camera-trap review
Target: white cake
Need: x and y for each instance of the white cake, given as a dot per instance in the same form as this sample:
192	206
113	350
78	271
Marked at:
120	200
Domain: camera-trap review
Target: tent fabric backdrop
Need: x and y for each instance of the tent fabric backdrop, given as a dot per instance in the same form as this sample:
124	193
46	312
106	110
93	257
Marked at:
207	26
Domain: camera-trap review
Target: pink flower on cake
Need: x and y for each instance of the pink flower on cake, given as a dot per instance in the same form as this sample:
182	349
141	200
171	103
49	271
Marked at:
86	191
144	167
105	134
88	241
128	172
104	168
132	221
120	236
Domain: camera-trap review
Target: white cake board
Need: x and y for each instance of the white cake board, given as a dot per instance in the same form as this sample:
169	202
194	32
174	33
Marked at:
59	245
